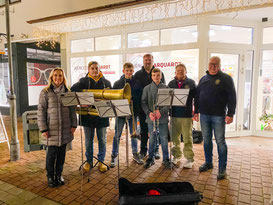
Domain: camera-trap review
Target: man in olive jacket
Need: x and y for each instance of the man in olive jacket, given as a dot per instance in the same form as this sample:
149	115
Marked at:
93	80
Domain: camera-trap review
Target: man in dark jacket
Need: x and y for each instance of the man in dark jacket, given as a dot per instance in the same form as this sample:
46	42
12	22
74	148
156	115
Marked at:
181	117
93	80
216	103
144	77
128	70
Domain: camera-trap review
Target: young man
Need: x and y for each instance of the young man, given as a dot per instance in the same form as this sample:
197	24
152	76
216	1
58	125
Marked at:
144	76
128	70
216	102
93	80
181	117
148	102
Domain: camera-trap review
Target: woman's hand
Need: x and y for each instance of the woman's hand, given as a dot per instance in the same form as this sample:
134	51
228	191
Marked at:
45	134
72	130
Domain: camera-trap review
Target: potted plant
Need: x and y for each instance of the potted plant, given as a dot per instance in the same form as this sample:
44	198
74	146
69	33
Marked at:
268	119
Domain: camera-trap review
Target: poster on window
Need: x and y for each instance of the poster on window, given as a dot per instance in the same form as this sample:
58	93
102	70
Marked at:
110	66
37	79
167	60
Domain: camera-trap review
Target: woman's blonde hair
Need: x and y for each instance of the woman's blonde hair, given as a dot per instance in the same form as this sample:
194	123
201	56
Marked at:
50	78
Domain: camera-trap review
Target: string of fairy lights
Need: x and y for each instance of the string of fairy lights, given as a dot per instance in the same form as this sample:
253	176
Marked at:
50	32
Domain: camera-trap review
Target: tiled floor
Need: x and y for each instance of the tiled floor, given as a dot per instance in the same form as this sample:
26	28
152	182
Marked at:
250	171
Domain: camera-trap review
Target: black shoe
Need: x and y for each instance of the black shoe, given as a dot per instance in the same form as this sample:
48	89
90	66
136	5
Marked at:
142	155
114	161
59	181
50	181
167	163
157	155
149	162
205	167
221	174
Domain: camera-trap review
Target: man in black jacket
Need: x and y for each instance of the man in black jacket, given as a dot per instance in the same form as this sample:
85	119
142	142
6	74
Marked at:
128	70
181	117
93	80
216	103
144	77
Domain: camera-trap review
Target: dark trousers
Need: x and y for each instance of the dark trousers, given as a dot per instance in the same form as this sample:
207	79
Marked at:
55	158
143	132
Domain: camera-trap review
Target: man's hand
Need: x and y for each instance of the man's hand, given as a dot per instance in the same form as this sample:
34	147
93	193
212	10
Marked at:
229	120
152	116
45	134
196	117
157	114
72	130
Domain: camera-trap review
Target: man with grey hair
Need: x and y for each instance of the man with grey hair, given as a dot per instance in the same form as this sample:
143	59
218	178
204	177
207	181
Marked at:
216	102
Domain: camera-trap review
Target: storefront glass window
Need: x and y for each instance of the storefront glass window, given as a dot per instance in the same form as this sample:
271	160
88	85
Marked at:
267	35
180	35
247	91
4	84
167	60
110	66
37	79
78	69
230	34
265	92
82	45
108	43
143	39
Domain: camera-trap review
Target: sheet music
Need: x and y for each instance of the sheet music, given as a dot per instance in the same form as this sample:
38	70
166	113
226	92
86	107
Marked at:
69	99
77	98
180	97
164	97
122	107
85	98
104	108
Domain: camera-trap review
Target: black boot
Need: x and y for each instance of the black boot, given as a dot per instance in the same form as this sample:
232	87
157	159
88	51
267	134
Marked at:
59	181
50	181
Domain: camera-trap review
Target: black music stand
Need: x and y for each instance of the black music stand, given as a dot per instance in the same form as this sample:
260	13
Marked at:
168	97
114	108
74	99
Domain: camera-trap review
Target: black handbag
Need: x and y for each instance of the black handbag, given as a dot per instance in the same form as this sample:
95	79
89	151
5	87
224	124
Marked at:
197	136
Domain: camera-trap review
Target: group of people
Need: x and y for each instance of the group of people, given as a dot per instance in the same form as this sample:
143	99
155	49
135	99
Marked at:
214	98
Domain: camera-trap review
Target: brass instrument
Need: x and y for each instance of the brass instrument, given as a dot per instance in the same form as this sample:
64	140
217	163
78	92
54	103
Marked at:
107	94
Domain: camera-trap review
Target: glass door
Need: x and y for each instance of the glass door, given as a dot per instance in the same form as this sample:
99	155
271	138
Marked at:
238	64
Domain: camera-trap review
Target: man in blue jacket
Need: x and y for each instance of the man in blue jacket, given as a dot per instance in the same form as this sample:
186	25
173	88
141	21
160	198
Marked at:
216	103
181	117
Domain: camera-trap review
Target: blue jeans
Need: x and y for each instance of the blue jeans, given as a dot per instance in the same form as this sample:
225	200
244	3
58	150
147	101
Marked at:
153	140
118	131
89	133
214	124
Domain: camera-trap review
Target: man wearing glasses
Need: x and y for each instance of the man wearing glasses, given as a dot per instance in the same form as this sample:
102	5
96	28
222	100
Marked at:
216	102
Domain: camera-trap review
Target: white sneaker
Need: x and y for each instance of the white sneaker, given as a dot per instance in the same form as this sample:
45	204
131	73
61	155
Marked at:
175	160
188	164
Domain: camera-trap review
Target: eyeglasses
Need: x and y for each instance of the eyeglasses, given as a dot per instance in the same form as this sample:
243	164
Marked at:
35	75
